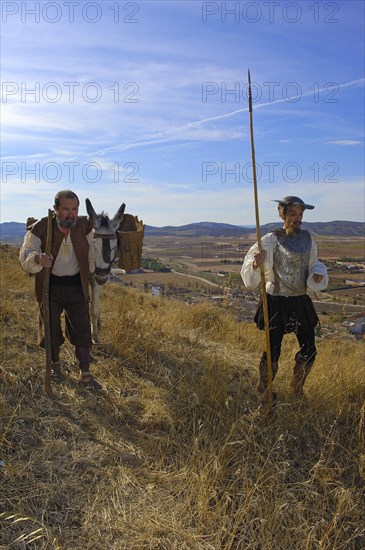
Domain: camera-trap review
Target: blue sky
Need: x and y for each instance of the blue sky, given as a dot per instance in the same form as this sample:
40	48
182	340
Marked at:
146	103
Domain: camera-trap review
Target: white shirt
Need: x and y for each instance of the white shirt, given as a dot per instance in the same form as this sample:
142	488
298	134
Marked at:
64	264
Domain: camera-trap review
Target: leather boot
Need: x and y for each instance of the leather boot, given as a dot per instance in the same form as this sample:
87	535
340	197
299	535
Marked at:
301	370
263	384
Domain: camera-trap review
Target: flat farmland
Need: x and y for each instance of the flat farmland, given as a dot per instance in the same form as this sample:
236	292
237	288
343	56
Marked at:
196	263
204	257
170	280
199	252
336	248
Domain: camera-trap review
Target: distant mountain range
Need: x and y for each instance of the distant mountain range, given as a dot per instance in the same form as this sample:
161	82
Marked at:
211	229
13	232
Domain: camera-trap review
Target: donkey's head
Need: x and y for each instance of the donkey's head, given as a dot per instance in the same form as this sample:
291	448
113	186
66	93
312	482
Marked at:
106	242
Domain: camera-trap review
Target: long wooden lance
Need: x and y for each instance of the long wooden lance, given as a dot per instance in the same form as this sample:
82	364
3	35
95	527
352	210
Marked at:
262	269
46	309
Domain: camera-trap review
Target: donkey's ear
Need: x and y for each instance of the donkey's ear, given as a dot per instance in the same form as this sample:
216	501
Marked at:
118	216
90	210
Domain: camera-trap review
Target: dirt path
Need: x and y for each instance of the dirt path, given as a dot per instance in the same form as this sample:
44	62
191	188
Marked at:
195	277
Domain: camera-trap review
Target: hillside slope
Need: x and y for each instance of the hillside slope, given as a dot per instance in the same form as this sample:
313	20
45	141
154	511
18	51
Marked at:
175	452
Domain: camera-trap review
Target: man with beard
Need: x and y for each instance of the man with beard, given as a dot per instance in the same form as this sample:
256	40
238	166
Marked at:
289	256
71	261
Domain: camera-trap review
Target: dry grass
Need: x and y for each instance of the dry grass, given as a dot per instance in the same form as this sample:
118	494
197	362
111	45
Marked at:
175	453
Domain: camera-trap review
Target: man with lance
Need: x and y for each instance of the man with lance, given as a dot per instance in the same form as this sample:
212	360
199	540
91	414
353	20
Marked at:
70	261
289	259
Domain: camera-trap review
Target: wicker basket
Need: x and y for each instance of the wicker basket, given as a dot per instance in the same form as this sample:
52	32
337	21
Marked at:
130	237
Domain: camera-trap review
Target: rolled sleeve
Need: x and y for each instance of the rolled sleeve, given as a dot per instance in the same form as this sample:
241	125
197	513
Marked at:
30	248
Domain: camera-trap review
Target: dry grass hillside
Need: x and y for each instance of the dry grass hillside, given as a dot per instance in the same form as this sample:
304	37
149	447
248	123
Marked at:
175	453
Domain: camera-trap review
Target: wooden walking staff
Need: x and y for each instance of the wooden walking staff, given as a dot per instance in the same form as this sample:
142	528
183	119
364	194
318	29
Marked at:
262	269
46	309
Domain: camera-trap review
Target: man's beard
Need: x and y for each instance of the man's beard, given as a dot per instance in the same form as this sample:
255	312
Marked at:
67	223
293	229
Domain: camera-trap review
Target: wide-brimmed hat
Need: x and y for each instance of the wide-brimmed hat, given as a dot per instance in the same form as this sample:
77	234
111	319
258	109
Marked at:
294	200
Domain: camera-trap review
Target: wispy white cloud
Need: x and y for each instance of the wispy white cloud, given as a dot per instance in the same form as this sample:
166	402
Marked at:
345	142
270	103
